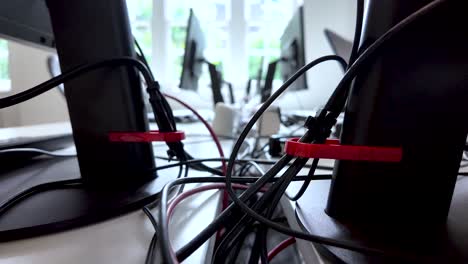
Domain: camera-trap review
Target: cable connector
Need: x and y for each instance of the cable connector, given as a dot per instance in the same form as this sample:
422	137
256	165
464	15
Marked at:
154	92
321	126
171	154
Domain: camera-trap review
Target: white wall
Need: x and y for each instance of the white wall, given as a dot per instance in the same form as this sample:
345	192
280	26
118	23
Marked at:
338	16
28	67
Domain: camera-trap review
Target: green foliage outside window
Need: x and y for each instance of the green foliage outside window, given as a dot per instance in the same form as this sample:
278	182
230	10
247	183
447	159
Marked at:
3	60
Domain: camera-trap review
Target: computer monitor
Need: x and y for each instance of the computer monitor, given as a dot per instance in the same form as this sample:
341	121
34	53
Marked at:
194	54
292	56
84	32
26	21
194	60
293	50
114	175
341	46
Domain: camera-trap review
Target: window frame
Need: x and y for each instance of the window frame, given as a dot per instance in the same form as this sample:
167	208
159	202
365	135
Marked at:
236	64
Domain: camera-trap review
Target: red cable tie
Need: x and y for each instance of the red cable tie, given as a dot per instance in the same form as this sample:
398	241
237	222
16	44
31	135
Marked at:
333	150
149	136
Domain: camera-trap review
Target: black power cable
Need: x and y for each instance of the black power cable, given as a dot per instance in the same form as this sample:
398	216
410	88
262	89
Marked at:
72	74
352	59
336	102
332	110
44	187
163	217
357	31
152	248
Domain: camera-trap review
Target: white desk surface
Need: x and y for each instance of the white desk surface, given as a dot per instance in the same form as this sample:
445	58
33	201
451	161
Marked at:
307	249
126	239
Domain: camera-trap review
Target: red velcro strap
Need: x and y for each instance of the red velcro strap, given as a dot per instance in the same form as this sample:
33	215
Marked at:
332	150
150	136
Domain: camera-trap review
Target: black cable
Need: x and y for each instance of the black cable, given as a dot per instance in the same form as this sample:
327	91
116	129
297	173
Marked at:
227	214
150	255
306	183
255	252
36	150
334	106
245	221
258	161
352	59
49	186
151	218
338	99
262	233
203	236
252	122
234	252
181	189
142	54
72	74
202	167
357	32
152	248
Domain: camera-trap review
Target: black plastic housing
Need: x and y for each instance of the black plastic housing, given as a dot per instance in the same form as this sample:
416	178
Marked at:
104	100
415	96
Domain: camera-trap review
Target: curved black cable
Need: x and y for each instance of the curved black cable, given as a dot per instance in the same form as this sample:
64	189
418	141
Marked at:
203	236
306	183
354	55
357	32
72	74
49	186
334	106
338	99
152	247
142	54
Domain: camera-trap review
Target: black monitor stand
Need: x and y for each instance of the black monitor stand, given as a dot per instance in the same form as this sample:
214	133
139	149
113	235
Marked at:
413	96
231	91
270	75
117	177
216	82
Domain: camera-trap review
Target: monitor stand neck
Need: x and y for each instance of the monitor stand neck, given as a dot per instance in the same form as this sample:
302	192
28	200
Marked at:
216	83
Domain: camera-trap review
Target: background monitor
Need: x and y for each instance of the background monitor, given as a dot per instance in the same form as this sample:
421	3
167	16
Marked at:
293	50
259	77
341	46
26	21
53	66
193	56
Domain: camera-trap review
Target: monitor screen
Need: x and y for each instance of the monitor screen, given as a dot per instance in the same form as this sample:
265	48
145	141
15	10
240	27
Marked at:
26	21
341	46
293	50
194	48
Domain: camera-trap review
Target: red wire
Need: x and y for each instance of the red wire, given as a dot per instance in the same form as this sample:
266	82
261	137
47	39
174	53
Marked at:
225	200
185	195
283	245
207	125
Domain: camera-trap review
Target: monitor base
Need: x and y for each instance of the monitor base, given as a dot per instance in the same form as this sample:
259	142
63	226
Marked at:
63	209
447	244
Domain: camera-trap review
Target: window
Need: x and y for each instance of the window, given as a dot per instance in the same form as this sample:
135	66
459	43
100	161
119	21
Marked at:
5	84
140	14
264	31
214	17
239	33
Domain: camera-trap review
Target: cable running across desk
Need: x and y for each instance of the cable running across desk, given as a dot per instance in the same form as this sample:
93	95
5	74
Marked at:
332	110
